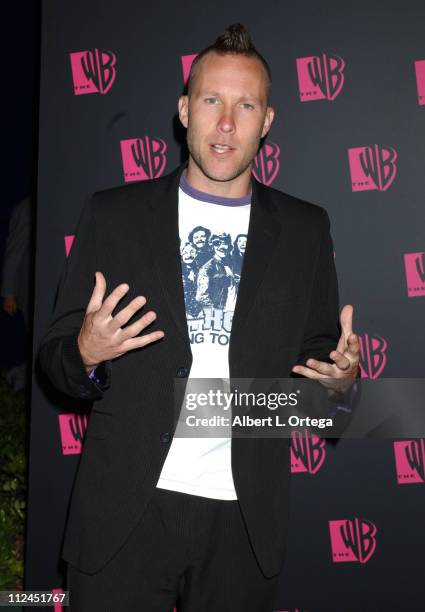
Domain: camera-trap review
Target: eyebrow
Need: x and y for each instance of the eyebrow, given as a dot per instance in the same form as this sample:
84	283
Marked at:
218	94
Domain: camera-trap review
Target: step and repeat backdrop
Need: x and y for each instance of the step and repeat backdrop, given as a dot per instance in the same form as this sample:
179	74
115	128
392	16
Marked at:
349	95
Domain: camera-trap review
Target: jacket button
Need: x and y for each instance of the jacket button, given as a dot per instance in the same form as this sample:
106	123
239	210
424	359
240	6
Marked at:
165	437
182	373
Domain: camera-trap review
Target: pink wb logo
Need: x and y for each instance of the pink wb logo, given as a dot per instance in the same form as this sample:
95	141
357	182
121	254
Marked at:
308	452
266	163
352	540
72	431
410	461
414	265
93	71
320	77
143	158
372	167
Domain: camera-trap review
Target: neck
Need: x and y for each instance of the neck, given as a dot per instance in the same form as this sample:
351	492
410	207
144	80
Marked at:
235	188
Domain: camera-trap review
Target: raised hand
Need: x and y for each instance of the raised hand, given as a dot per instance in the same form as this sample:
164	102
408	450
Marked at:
345	358
101	337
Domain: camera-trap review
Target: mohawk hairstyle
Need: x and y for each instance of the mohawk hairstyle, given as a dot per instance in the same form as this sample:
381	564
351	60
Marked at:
235	40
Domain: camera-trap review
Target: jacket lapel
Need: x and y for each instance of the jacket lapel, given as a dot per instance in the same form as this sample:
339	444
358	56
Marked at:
165	232
263	230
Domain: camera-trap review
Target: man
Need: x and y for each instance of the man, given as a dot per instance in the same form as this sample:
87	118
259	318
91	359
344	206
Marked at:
215	277
15	278
189	274
238	252
157	520
199	237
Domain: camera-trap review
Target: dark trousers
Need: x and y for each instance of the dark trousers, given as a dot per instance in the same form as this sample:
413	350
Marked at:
187	552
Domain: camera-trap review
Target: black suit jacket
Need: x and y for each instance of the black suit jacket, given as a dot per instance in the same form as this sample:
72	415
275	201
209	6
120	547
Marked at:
287	311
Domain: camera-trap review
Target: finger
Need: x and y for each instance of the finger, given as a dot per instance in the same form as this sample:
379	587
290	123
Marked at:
135	328
126	313
98	293
133	343
112	300
321	366
342	344
309	372
353	346
342	362
346	319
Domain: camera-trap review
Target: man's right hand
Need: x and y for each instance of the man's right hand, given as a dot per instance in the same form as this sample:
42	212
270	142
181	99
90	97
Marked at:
101	337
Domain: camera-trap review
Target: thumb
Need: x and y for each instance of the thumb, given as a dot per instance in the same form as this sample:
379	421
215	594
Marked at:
346	319
96	299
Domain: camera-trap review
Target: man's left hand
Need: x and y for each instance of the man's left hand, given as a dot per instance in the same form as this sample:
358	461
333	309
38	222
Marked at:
337	376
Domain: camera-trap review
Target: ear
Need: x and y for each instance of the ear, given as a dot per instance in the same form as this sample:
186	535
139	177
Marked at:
184	110
267	121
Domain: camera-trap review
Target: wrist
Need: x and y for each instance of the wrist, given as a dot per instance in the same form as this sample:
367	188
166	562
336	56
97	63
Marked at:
88	363
90	368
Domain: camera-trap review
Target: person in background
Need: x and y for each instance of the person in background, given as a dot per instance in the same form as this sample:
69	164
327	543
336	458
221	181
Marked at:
15	281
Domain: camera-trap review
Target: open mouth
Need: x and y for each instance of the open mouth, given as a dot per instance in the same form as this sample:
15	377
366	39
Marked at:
221	149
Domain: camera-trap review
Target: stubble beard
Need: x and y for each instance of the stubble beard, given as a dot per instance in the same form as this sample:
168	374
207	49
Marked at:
197	159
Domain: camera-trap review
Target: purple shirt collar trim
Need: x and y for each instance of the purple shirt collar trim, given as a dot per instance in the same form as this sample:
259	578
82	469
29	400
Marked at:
211	199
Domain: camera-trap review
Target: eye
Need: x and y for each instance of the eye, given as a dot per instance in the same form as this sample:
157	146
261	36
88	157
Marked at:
247	105
211	100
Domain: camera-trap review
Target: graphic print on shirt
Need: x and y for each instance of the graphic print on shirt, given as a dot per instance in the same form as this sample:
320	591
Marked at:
211	272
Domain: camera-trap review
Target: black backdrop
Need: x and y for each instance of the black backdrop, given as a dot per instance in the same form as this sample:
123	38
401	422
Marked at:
359	153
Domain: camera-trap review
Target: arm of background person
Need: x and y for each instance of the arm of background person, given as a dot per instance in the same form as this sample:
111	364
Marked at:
16	244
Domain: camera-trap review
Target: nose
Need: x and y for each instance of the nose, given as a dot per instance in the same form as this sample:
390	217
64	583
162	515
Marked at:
226	123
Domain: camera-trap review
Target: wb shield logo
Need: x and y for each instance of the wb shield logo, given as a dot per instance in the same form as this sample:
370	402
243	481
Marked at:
308	452
93	71
68	242
372	168
420	81
352	540
143	158
414	265
420	267
410	461
373	358
320	77
265	166
72	429
187	61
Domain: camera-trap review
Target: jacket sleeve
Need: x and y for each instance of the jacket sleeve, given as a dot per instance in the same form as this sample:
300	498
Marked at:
322	329
59	356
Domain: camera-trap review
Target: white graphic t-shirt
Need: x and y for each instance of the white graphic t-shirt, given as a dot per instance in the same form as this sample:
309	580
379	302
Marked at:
213	234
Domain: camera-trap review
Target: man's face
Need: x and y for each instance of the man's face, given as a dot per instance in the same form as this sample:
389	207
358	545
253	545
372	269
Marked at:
199	239
226	115
242	243
188	253
221	248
